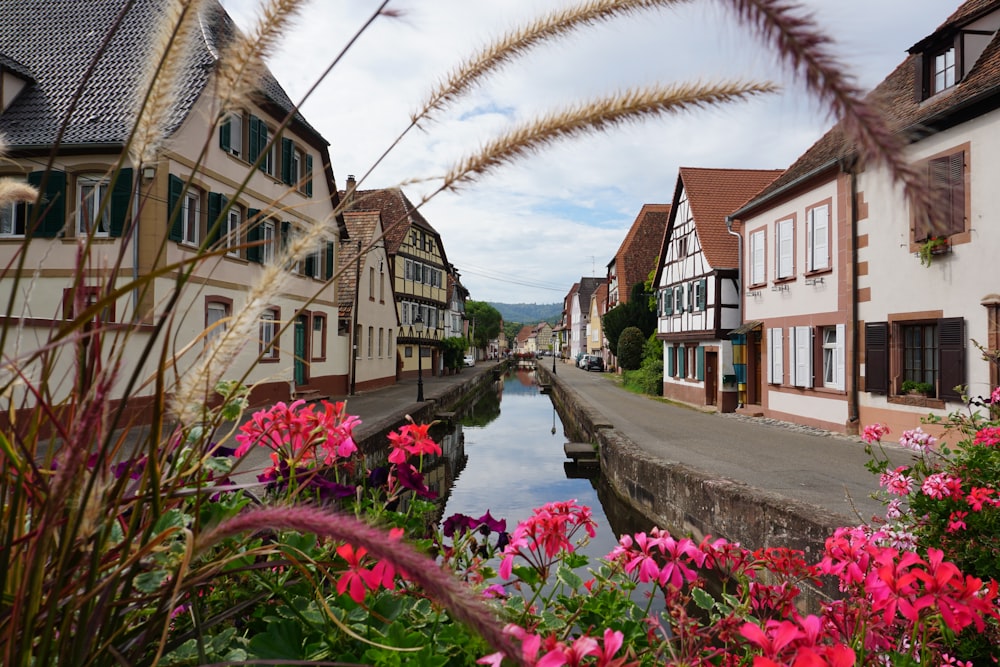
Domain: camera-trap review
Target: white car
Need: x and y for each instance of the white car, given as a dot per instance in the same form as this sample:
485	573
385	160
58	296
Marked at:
470	360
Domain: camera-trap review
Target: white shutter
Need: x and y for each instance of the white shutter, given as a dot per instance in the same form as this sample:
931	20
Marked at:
841	345
784	249
820	232
776	360
802	353
757	257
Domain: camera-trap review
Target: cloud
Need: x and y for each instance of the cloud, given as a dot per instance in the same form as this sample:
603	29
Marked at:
528	232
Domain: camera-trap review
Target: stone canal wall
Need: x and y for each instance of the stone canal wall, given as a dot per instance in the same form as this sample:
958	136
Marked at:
681	498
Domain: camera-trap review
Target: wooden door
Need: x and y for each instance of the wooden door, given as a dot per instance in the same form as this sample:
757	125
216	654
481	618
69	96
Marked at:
711	378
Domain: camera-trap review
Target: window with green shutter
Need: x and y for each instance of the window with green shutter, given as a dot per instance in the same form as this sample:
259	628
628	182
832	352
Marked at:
254	252
700	363
49	219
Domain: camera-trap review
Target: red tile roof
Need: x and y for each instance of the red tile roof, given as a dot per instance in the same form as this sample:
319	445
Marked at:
361	226
713	194
398	215
637	255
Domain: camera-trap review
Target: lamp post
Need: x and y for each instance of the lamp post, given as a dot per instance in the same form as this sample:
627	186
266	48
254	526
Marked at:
418	324
554	346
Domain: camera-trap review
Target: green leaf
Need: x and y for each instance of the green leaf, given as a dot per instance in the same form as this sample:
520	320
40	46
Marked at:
282	639
702	599
569	577
172	519
147	582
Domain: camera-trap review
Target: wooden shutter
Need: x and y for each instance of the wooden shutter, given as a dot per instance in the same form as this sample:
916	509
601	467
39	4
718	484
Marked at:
951	358
255	147
309	175
840	371
121	201
681	354
254	252
329	260
671	353
700	363
310	265
52	217
784	250
877	357
668	302
776	356
802	349
216	204
175	188
225	134
757	250
702	292
956	173
818	241
287	153
691	297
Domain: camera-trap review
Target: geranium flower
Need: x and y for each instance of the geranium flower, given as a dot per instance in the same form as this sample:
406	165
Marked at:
897	482
978	497
942	485
874	432
988	437
917	440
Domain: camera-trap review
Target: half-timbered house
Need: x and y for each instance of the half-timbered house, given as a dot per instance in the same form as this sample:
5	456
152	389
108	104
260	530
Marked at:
697	283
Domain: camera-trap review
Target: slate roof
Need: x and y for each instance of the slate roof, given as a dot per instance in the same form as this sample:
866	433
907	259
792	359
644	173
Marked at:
361	227
713	194
55	41
585	289
636	256
395	208
895	96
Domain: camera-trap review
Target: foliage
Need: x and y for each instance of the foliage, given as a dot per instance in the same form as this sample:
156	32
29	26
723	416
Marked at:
453	349
631	345
932	246
529	313
486	322
634	313
648	379
949	499
914	387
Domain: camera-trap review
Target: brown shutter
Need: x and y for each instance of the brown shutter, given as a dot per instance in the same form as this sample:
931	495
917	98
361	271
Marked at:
951	358
919	79
956	173
877	357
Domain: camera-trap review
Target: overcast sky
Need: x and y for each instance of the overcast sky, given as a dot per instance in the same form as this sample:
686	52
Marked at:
529	231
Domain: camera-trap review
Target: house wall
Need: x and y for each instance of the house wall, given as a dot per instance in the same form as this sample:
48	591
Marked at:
376	364
895	286
809	301
410	291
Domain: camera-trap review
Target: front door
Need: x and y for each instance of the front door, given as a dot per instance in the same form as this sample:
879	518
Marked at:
754	387
711	379
301	349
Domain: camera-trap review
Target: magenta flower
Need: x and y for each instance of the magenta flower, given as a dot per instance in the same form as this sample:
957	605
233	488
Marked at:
897	482
988	437
942	485
917	440
874	432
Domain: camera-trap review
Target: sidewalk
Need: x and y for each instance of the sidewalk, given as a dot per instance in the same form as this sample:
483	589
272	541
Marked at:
820	469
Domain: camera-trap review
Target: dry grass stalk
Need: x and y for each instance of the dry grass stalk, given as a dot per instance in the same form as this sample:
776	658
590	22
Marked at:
241	64
517	42
597	115
166	66
13	191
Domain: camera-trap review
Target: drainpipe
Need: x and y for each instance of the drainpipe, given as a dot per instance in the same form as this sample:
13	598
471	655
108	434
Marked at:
853	395
739	287
353	336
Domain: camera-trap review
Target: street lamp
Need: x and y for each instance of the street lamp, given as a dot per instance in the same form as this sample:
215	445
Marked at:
553	355
418	324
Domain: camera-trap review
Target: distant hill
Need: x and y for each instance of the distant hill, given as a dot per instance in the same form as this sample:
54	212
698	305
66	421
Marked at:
529	313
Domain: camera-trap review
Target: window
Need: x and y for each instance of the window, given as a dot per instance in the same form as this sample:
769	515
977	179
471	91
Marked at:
700	294
381	339
682	247
231	135
190	217
920	350
801	356
833	356
371	283
784	249
260	147
91	219
943	70
267	236
408	352
88	295
381	285
758	275
946	180
371	342
818	238
269	335
12	219
216	316
233	231
313	264
775	356
319	337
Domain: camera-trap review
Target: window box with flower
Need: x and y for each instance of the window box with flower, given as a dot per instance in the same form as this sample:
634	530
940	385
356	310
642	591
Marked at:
933	245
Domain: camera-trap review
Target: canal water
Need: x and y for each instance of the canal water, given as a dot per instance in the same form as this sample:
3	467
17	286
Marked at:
507	457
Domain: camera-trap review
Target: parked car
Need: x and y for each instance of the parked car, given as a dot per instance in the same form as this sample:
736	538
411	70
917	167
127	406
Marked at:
593	363
470	360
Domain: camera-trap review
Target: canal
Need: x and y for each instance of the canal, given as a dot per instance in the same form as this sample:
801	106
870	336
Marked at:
507	457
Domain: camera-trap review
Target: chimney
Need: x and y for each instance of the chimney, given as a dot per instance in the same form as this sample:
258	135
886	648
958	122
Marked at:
349	190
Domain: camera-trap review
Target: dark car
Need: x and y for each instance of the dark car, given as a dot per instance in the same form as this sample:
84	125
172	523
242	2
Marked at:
593	363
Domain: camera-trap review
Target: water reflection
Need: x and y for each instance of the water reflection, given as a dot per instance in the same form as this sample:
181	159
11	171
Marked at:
511	460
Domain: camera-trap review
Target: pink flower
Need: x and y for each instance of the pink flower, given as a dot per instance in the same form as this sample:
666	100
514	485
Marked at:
874	432
995	395
942	485
988	437
897	482
894	510
956	521
979	496
917	440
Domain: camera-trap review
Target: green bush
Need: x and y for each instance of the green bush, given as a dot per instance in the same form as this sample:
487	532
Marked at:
454	352
648	379
630	348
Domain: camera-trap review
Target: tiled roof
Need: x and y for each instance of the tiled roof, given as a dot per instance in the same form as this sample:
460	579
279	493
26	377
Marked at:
56	41
395	208
586	289
713	194
896	97
524	334
636	256
361	226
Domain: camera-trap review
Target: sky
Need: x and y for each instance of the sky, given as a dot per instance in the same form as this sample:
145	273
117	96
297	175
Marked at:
528	232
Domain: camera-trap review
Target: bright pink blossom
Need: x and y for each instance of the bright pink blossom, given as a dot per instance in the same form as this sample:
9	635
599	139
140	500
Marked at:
897	482
956	521
978	497
917	440
995	395
874	432
942	485
988	437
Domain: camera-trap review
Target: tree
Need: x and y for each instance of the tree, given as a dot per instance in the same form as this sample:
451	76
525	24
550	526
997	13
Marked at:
485	322
630	348
635	313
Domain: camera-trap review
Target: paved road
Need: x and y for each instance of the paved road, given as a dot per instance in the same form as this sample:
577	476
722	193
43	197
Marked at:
825	470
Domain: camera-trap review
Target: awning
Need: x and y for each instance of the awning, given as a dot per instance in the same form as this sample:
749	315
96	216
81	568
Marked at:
746	327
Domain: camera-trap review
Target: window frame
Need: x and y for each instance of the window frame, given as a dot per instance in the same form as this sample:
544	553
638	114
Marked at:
758	246
959	198
17	215
784	235
214	303
812	247
273	316
833	356
103	185
234	236
268	235
319	324
885	356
